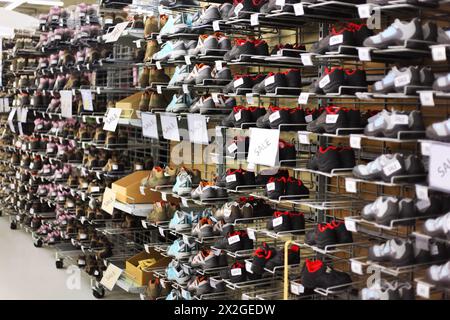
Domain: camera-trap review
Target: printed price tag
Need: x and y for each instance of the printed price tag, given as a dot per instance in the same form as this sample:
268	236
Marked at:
426	98
280	3
402	81
216	26
355	141
423	290
439	53
232	148
158	65
338	39
392	168
297	288
169	125
350	185
86	96
251	234
401	119
233	239
364	54
159	89
350	225
303	98
161	232
324	81
230	178
159	39
110	276
238	82
248	266
187	59
238	9
422	192
365	11
425	148
112	119
357	267
249	98
309	118
303	137
254	19
298	9
236	271
66	103
331	118
164	196
185	88
306	59
270	186
274	116
114	35
219	65
277	221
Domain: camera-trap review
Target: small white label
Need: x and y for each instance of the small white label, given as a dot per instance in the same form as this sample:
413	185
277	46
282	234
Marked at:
306	59
350	185
309	118
423	290
422	192
142	190
338	39
215	97
186	88
392	168
439	53
297	288
188	60
219	65
350	225
268	81
158	65
161	232
402	81
324	81
277	222
303	98
303	137
159	39
238	82
425	148
357	267
95	189
355	141
270	186
236	272
164	196
280	3
249	98
331	118
251	234
365	11
184	202
231	178
298	9
248	266
238	9
233	239
215	25
159	89
237	116
254	20
401	119
274	116
426	98
364	54
232	148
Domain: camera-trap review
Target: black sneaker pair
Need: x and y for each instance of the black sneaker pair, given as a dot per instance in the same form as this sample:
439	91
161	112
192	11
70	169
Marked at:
332	157
283	221
239	177
351	34
238	147
265	175
259	207
334	118
276	117
336	77
316	274
242	84
285	187
241	116
269	258
286	153
288	79
244	49
235	241
237	273
327	234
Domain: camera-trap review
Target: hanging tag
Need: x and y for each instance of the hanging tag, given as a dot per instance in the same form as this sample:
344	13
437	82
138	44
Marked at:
350	225
426	98
159	89
422	192
439	53
303	98
355	141
186	88
216	26
306	59
298	9
364	54
188	60
254	19
249	98
219	65
350	185
365	11
158	65
357	267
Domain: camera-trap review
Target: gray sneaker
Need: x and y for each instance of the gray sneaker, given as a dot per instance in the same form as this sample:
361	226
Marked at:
208	16
439	274
178	51
224	10
223	76
203	44
373	169
224	43
396	34
439	131
443	36
442	83
203	74
408	75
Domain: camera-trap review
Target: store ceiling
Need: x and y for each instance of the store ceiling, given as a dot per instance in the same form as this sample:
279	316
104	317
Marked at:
35	10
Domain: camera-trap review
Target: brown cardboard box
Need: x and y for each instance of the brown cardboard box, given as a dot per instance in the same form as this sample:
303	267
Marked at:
128	189
129	105
143	277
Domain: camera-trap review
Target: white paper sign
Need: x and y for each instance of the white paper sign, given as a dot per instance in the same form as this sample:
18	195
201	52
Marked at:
112	119
439	53
86	96
426	98
66	103
298	9
198	130
303	137
114	35
169	125
149	125
303	98
355	141
110	276
350	185
10	119
263	148
439	172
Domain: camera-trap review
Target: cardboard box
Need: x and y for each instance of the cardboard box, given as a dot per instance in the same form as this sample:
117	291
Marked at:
139	276
129	105
128	189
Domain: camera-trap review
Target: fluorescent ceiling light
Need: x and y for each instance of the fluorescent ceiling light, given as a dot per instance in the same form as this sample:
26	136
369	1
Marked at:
16	3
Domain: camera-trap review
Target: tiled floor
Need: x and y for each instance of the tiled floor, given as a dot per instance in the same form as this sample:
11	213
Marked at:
27	272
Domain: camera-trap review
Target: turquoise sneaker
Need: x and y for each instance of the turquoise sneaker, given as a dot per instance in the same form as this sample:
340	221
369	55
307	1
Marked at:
179	103
168	27
165	52
174	248
181	220
173	295
183	184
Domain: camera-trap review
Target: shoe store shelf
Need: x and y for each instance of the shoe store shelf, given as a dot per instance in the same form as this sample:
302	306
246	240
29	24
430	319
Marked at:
426	289
330	291
396	181
402	137
140	210
270	281
425	239
338	172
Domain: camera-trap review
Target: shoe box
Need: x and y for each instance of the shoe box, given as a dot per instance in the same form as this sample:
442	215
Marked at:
129	105
128	189
142	277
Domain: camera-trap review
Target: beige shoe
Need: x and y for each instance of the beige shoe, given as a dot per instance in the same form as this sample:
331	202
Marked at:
151	49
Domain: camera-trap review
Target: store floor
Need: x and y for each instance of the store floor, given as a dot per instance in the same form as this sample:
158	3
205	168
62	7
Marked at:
27	272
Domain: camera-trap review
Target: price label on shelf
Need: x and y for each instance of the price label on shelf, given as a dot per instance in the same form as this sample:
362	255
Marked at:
364	54
184	202
331	118
423	290
10	119
324	81
350	185
198	130
365	11
219	65
86	96
159	39
161	232
350	225
280	3
251	234
248	266
159	89
236	272
112	119
249	98
215	97
185	88
303	137
187	59
215	25
233	239
439	53
108	200
263	147
298	9
114	35
303	98
254	19
337	39
306	59
422	192
355	141
110	276
66	103
425	148
426	98
149	125
169	126
164	196
402	80
357	267
158	65
238	8
297	288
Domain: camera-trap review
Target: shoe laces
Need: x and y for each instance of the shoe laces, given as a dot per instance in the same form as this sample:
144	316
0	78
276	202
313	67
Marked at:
331	70
313	266
324	150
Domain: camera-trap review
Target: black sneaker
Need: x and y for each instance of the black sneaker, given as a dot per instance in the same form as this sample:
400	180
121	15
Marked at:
335	118
297	115
234	178
241	115
275	80
354	119
360	33
239	240
261	255
286	153
331	80
346	157
242	50
256	113
237	272
293	78
297	221
264	121
280	222
275	187
327	159
354	78
279	116
277	259
295	187
261	48
316	274
248	178
342	234
323	235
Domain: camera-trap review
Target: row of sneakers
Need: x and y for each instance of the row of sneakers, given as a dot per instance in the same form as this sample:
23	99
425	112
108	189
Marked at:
388	166
339	80
243	208
385	209
400	79
329	158
401	252
285	188
267	257
328	234
391	123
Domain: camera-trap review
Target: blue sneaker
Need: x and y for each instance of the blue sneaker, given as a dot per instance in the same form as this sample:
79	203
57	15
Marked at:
179	103
168	26
181	220
186	250
173	249
181	72
165	52
183	184
174	295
